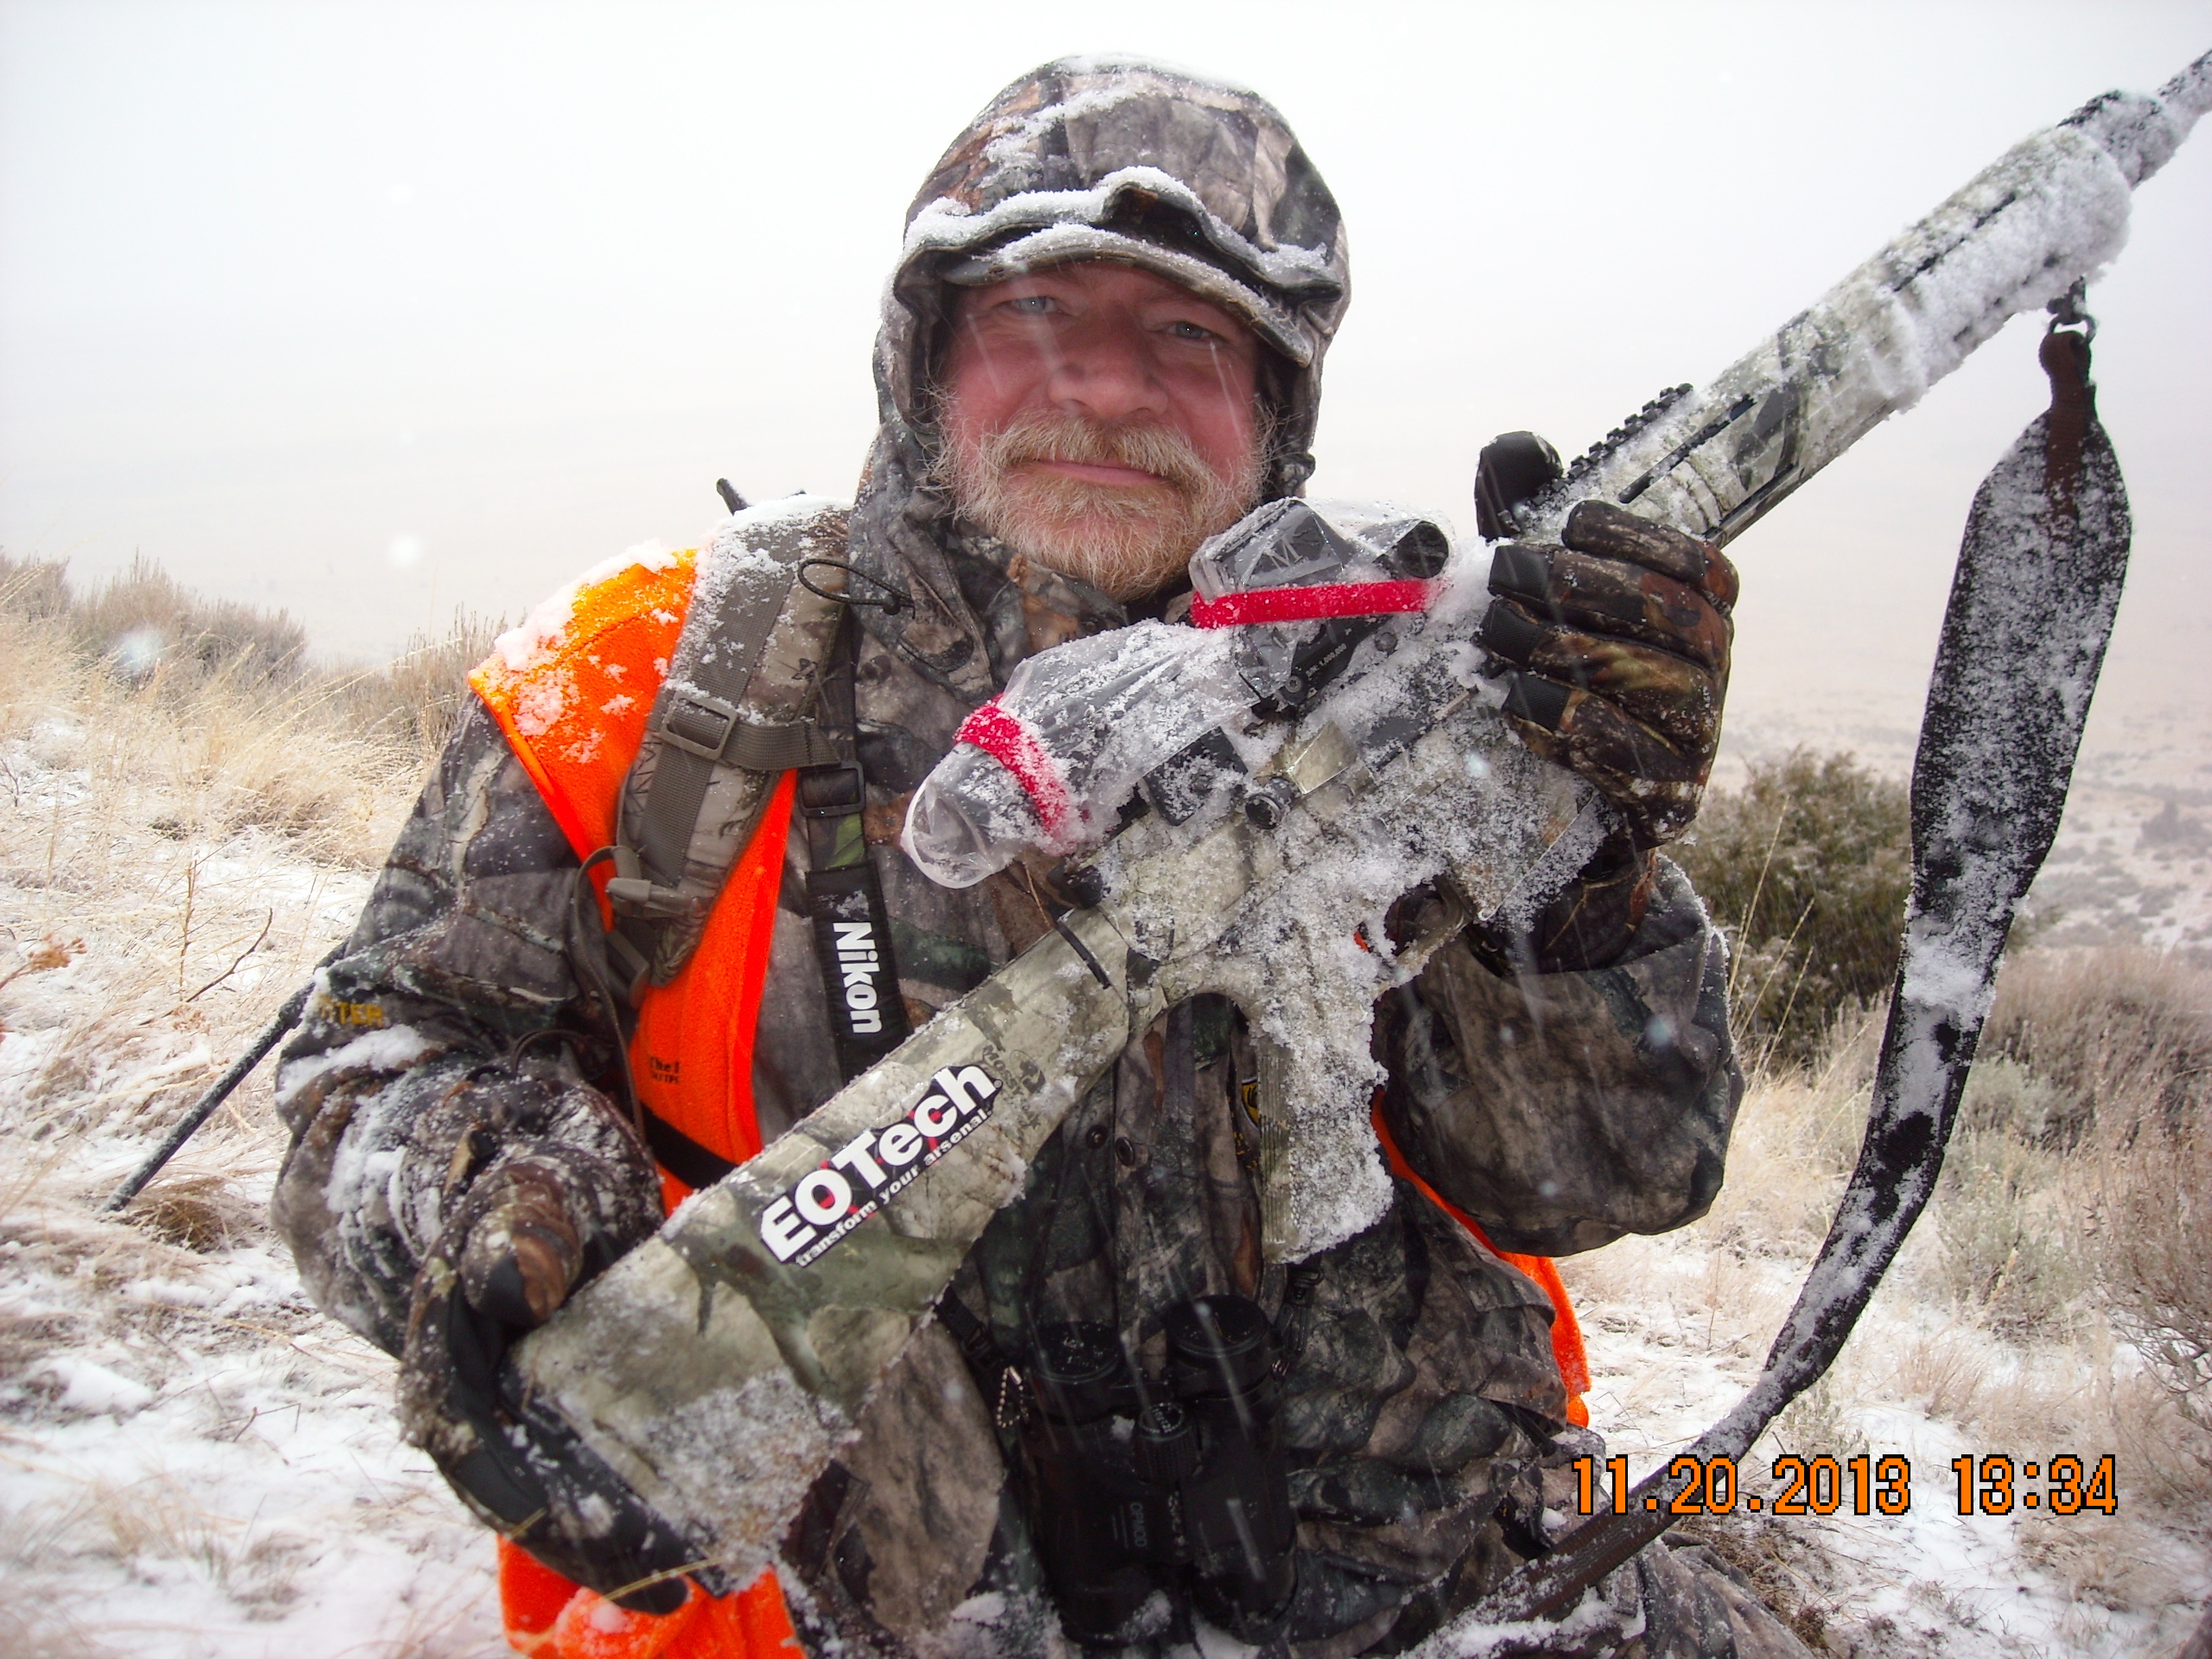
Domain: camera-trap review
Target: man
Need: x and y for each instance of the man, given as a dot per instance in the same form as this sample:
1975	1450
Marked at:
1101	344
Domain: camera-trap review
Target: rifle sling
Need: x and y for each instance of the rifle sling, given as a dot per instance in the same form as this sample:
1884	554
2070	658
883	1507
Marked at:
2033	600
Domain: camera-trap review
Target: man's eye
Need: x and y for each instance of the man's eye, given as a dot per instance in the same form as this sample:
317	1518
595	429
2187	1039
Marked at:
1185	331
1031	305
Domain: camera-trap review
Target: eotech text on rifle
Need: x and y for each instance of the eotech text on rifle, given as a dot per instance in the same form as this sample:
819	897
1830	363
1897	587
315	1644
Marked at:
714	1376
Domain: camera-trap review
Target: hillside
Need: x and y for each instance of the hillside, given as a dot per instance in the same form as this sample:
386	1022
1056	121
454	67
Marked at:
193	1462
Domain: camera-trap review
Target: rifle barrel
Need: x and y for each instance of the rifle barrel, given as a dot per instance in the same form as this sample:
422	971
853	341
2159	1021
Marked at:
2049	212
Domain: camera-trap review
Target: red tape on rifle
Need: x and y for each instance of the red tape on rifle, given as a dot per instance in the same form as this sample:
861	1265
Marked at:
1013	743
1276	604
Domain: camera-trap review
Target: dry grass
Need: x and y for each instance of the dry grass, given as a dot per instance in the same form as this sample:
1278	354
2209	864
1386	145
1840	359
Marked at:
142	620
2011	1252
197	1212
208	721
413	699
140	761
159	1519
187	824
2128	1028
179	830
1795	1145
2056	1297
2146	1216
34	1633
1941	1371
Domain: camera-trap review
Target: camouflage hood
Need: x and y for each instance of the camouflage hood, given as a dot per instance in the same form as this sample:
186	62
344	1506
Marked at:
1091	158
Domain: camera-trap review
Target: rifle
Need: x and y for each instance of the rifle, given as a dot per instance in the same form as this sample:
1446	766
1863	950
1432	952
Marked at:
714	1369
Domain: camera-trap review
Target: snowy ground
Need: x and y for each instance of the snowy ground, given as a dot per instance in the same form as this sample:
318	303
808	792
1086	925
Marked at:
194	1462
205	1466
1671	1356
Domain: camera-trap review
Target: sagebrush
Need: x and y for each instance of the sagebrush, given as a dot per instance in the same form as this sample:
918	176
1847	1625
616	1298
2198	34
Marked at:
143	622
251	731
2055	1294
1807	867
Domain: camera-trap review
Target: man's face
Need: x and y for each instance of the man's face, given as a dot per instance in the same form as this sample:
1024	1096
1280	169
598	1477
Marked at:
1101	420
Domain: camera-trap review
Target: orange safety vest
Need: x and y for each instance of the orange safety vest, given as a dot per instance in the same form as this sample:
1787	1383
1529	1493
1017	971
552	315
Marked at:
574	709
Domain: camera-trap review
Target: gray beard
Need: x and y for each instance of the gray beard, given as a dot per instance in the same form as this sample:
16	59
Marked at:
1127	542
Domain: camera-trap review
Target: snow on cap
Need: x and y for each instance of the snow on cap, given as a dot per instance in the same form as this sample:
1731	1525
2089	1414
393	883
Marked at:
1062	243
1128	160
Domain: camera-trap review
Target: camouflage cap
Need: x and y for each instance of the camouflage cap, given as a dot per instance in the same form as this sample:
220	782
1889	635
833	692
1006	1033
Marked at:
1119	159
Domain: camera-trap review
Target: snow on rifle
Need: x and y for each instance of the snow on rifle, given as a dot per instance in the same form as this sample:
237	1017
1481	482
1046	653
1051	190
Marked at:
1283	603
715	1378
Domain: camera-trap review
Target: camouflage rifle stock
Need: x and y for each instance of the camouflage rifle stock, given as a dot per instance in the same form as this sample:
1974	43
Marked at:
715	1368
2050	211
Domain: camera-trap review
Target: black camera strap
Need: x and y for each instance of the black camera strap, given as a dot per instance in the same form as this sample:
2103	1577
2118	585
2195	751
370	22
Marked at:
998	1379
844	893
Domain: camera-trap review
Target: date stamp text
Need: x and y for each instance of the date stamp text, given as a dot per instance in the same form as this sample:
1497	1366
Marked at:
1865	1484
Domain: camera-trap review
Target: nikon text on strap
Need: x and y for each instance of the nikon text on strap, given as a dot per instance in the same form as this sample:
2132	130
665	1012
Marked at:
759	683
844	896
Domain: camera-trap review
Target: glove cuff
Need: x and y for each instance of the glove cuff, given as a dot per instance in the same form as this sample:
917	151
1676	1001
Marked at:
1590	925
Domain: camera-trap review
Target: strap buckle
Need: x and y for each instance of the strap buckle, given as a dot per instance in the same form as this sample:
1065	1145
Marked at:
633	893
699	725
640	897
839	790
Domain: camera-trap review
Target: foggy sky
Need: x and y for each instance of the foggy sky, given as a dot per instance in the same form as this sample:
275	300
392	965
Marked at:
372	311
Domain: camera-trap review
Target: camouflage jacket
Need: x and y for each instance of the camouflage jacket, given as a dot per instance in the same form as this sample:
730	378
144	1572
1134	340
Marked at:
1561	1089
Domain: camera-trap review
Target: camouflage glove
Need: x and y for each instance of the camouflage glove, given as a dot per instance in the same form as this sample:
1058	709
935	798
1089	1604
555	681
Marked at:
548	1187
1619	644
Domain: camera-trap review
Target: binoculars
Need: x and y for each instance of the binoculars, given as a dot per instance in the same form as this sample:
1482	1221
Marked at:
1178	1486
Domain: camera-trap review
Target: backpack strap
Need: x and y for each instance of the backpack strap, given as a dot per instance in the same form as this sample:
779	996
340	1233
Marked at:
739	704
757	683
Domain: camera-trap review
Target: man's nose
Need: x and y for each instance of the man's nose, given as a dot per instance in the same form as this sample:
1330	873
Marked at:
1106	370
